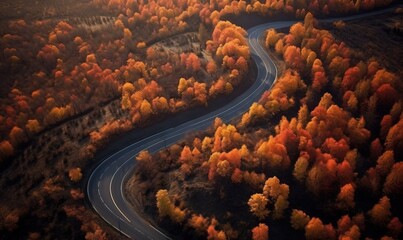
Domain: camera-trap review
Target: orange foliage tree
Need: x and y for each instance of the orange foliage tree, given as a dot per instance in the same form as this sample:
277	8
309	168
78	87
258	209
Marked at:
260	232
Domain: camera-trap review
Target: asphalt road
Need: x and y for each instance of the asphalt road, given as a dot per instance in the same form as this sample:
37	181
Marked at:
105	184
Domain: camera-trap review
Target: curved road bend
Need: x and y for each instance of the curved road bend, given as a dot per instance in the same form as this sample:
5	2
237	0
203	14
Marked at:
105	185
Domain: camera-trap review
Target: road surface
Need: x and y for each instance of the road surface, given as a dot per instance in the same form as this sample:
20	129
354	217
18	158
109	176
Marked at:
105	184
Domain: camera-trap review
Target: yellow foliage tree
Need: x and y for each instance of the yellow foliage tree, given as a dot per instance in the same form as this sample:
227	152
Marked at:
257	204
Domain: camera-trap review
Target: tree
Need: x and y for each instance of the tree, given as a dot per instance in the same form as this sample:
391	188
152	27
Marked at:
387	96
321	177
337	149
338	66
382	76
213	234
199	223
145	109
292	56
300	168
278	194
345	198
299	219
75	174
160	104
309	21
271	37
6	150
351	78
279	46
164	204
223	168
17	136
273	189
394	180
11	220
376	149
394	139
260	232
128	88
257	204
297	31
211	67
380	214
143	156
353	233
141	45
385	162
345	172
357	132
275	153
280	206
186	155
395	227
316	230
33	126
319	77
303	115
237	176
167	208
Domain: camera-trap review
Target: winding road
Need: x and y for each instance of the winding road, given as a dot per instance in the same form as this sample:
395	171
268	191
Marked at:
105	184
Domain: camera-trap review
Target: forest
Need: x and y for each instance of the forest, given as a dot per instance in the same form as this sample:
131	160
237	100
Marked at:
330	129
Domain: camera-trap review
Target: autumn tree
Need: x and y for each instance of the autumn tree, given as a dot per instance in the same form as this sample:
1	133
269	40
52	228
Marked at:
298	32
345	198
199	223
271	37
33	126
211	67
394	139
6	150
292	56
380	213
376	149
315	229
351	78
385	162
299	219
75	174
394	180
167	208
213	234
258	205
260	232
145	109
277	193
395	227
17	136
319	77
275	153
143	156
382	76
387	96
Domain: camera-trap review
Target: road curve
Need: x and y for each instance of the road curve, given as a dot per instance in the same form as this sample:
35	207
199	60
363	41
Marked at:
105	184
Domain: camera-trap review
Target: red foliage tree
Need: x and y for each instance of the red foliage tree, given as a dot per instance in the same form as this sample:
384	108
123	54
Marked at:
260	232
292	56
387	96
394	180
351	78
